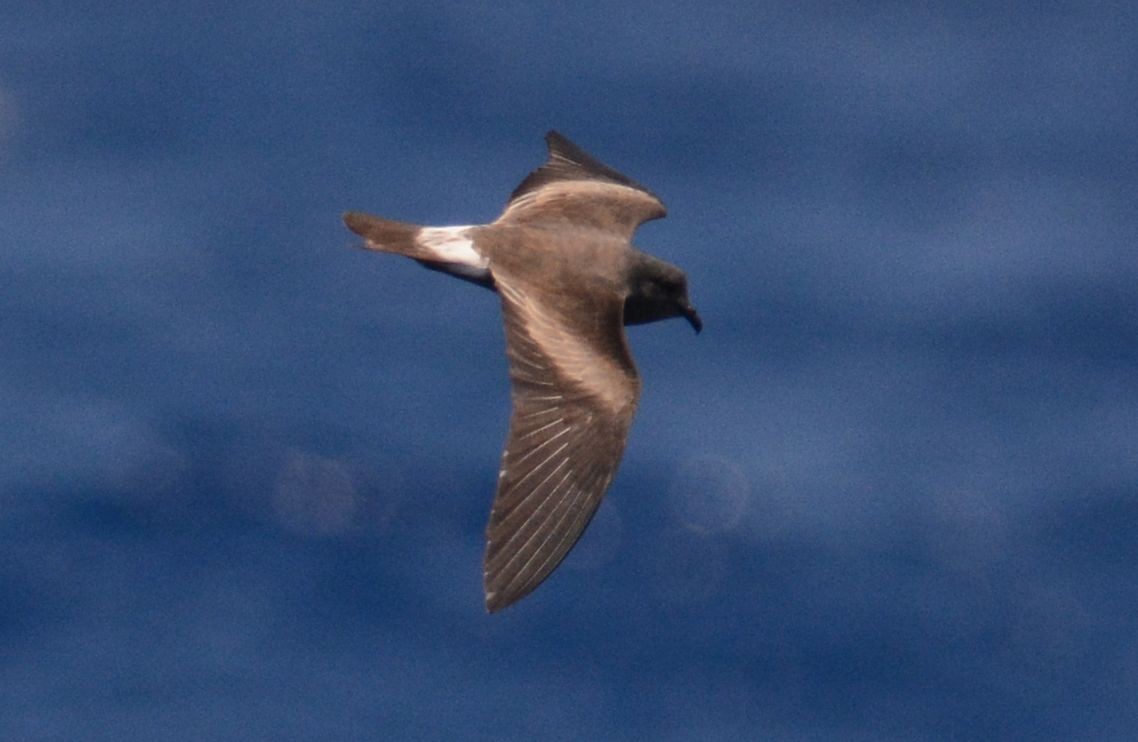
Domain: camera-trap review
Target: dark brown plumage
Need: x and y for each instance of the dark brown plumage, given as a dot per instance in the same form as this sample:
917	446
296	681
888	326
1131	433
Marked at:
561	259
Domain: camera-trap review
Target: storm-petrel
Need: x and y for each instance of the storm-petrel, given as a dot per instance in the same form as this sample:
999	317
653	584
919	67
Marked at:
560	256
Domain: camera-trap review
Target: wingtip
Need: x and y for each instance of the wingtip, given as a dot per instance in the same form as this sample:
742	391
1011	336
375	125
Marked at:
494	602
559	144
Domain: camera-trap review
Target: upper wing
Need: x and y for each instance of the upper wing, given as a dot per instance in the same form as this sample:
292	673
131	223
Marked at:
574	396
576	188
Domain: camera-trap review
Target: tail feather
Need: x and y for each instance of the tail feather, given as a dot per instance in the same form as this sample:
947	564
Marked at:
386	235
447	249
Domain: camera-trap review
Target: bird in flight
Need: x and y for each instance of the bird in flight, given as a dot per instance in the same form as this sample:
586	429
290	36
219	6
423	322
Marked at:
561	258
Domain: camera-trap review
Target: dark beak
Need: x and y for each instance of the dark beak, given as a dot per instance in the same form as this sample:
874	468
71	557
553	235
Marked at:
692	316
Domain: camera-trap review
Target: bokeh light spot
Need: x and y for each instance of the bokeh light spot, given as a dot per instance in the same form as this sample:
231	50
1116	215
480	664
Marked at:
710	494
314	495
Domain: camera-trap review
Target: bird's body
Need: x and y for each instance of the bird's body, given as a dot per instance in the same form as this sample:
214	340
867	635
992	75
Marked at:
560	257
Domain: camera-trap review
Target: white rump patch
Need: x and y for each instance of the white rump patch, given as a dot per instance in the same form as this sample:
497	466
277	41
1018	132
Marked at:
454	247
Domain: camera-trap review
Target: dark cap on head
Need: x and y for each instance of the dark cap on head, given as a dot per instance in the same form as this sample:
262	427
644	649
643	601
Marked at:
658	290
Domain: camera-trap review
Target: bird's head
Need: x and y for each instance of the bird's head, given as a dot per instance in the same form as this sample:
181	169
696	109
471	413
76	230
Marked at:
658	291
